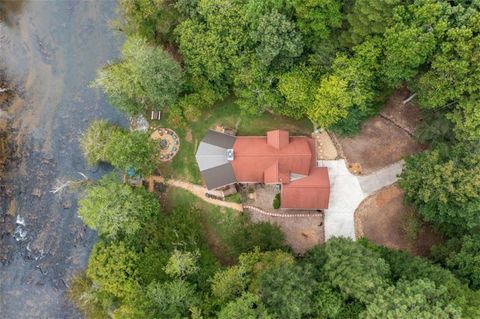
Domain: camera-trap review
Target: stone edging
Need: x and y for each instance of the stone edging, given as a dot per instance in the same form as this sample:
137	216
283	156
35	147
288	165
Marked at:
394	122
263	212
337	145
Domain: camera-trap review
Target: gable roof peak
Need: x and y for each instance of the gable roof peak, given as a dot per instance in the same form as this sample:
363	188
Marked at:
278	138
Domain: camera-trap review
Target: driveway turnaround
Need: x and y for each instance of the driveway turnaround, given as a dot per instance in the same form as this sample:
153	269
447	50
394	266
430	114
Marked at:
347	191
381	178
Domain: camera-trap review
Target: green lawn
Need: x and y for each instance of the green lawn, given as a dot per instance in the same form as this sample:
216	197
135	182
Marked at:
218	221
226	113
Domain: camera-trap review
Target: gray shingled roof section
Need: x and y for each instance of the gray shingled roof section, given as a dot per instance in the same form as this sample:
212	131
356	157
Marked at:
219	176
219	139
212	159
209	156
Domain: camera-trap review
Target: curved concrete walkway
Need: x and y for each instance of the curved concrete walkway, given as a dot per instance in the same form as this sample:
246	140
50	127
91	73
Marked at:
347	191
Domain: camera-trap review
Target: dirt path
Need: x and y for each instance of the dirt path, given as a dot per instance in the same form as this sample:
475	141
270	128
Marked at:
51	50
200	191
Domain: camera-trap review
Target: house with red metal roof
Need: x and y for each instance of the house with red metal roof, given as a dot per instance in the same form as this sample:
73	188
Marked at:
278	158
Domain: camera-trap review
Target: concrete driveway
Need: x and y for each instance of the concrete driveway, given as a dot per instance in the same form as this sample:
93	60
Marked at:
347	191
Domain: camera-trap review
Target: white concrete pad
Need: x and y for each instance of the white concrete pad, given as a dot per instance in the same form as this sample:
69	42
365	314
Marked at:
381	178
345	195
347	191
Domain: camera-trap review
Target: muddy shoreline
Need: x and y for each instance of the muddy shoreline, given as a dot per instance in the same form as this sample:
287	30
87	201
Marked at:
50	52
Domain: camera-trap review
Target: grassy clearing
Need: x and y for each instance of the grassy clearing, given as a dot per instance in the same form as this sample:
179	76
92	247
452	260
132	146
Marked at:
226	113
218	221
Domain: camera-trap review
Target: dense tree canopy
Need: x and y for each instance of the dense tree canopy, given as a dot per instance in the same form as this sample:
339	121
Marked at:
333	62
462	256
444	186
112	267
411	300
355	271
115	209
125	150
354	51
286	291
466	262
317	20
152	19
247	306
368	18
146	77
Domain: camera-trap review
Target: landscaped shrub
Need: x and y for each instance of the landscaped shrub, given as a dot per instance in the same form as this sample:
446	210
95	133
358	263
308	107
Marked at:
234	198
276	201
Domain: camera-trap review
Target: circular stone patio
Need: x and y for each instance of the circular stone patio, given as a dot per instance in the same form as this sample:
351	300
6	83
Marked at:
168	141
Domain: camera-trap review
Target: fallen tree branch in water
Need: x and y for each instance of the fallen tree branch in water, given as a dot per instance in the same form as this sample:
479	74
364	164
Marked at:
62	185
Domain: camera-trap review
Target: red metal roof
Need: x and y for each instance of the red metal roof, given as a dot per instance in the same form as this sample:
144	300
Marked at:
253	156
278	138
271	159
270	175
311	192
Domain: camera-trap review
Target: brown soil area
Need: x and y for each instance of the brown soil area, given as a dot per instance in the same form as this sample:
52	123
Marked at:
301	233
380	216
384	139
407	116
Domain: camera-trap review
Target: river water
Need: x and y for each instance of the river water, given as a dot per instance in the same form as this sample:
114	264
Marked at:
51	50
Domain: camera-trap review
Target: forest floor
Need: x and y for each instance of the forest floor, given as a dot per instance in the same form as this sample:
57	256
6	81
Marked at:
380	218
384	139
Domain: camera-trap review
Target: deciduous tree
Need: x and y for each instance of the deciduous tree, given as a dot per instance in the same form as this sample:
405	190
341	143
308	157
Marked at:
366	18
114	209
357	272
287	291
297	87
411	300
444	186
411	40
317	19
112	267
152	19
276	40
332	102
454	73
248	306
104	142
465	262
145	77
171	299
